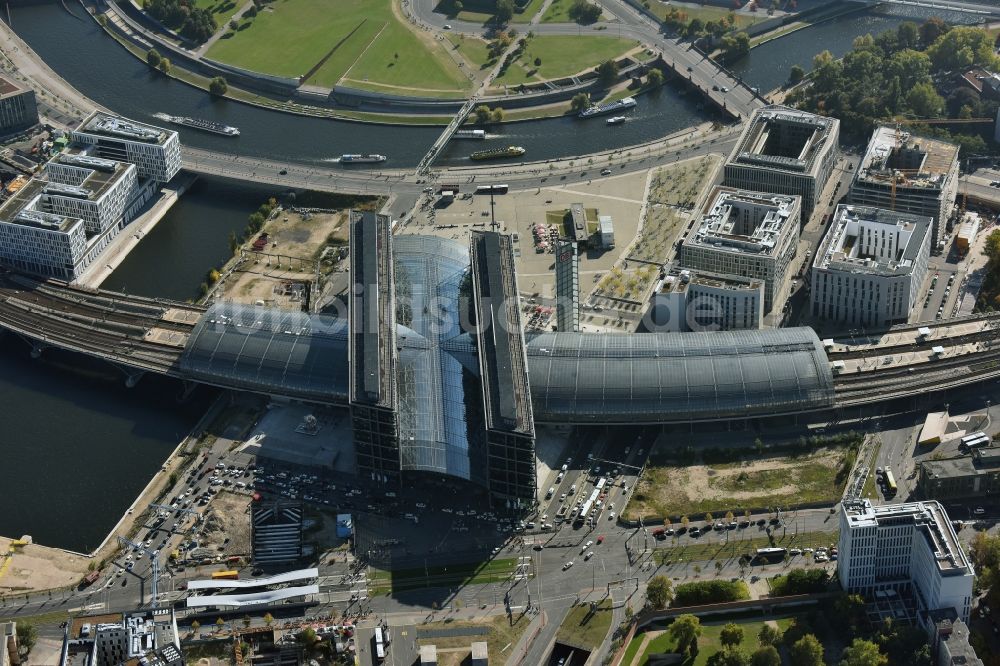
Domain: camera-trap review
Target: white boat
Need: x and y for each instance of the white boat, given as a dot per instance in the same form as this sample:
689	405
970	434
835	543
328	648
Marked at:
615	120
351	158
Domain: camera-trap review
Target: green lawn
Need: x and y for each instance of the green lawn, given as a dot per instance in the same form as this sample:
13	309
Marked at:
584	628
708	643
362	40
453	575
221	9
475	51
558	12
708	547
529	12
562	56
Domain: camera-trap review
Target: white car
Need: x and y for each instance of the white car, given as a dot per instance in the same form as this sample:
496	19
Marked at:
588	556
588	544
567	565
447	26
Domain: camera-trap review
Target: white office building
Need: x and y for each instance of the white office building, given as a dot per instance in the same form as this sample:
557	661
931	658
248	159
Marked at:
909	174
746	234
869	268
695	301
906	549
786	151
156	152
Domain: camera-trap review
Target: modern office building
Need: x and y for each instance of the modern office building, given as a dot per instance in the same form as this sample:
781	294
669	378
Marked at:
976	474
908	174
785	151
697	301
605	232
907	549
18	109
567	286
145	637
869	267
749	235
276	532
156	152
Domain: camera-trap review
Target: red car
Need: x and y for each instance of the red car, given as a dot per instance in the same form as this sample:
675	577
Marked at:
600	539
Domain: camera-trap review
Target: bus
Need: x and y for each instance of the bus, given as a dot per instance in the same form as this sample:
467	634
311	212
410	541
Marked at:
378	643
770	554
890	482
225	575
492	189
974	440
601	482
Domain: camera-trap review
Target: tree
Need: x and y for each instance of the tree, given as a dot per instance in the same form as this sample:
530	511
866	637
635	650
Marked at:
580	101
584	12
195	626
990	557
219	623
685	521
806	651
307	636
685	630
234	24
505	11
482	114
931	29
153	58
765	656
925	101
538	62
268	619
246	620
165	66
863	653
735	46
796	74
659	592
962	47
607	72
769	635
908	35
218	86
732	635
27	636
496	115
655	78
695	27
729	657
709	518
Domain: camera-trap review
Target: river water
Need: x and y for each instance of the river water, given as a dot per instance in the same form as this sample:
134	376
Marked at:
77	446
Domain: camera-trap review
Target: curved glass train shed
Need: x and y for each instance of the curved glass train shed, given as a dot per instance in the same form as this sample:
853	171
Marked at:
269	350
677	377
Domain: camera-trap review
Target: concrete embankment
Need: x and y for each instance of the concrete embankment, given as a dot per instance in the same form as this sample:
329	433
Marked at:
135	231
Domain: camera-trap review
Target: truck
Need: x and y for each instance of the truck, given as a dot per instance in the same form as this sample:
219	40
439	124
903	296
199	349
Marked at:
91	578
225	575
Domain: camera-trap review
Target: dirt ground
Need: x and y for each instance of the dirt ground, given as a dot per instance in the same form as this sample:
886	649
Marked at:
35	567
227	517
296	240
754	482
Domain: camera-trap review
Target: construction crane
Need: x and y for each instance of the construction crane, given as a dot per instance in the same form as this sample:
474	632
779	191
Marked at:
122	541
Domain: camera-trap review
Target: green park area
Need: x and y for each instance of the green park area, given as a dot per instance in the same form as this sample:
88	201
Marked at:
222	10
363	44
643	645
480	12
586	625
558	56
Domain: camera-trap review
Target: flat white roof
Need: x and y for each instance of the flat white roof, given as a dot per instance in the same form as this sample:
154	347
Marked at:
287	577
253	599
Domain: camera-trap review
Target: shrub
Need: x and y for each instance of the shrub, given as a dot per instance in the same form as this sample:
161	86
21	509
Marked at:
710	592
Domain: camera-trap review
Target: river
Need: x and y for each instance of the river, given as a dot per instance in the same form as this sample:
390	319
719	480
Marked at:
77	449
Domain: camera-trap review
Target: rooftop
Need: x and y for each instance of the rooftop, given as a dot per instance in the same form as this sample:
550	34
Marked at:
914	162
502	357
20	209
981	461
679	281
8	87
930	520
784	139
744	222
114	127
843	249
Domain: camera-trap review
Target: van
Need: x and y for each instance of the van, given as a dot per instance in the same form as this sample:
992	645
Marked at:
572	488
551	492
564	468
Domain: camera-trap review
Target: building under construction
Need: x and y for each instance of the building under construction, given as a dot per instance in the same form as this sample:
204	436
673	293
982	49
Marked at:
908	174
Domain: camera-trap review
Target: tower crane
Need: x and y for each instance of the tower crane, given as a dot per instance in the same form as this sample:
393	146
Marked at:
122	541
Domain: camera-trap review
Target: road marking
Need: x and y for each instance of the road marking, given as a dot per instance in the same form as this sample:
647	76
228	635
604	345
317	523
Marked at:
596	196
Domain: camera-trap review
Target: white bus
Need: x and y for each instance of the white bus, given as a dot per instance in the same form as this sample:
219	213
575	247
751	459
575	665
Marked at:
378	642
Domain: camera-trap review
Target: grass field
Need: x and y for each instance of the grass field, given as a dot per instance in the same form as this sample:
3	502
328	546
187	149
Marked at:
501	635
381	581
221	9
558	12
708	643
584	628
475	51
562	56
363	40
708	547
529	12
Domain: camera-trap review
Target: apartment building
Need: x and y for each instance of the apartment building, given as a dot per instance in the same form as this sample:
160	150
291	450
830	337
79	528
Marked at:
908	174
746	234
785	151
907	549
869	267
